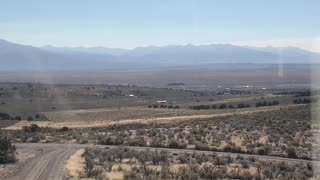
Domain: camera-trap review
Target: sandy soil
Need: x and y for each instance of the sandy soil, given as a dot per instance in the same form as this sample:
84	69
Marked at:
22	157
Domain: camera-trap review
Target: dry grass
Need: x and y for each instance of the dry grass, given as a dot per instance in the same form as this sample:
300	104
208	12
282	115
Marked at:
263	139
237	141
166	116
115	175
115	114
74	167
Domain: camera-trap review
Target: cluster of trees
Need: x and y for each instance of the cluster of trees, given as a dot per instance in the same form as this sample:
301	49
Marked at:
221	106
301	101
7	151
30	118
199	107
176	84
265	103
296	93
233	92
31	129
164	106
242	105
6	116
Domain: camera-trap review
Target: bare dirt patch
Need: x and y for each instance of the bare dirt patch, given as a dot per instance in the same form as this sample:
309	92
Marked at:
9	169
115	114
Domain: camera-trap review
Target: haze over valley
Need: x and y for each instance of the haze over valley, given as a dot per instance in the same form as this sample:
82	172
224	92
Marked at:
18	57
159	90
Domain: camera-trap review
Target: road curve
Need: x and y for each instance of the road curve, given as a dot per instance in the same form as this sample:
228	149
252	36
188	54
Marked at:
49	162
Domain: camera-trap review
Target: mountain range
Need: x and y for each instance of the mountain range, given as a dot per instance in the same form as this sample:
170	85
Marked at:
17	57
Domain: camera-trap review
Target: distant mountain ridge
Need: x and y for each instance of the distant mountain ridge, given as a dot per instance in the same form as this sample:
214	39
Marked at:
23	57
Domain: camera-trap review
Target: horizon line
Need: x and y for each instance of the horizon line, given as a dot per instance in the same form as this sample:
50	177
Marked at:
157	46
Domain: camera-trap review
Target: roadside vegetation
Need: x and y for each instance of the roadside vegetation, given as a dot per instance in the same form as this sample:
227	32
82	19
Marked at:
7	151
285	133
221	120
128	163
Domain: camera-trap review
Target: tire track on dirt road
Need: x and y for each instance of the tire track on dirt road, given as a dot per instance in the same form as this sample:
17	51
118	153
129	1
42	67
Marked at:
48	165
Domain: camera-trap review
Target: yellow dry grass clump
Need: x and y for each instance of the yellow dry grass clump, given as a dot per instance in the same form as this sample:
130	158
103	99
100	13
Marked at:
115	175
74	167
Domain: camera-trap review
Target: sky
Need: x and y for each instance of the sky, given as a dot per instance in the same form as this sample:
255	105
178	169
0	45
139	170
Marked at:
133	23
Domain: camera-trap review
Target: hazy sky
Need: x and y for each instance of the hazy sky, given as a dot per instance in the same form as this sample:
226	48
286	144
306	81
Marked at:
131	23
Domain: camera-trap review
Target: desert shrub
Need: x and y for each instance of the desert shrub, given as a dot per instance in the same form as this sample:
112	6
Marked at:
202	146
33	139
242	105
30	118
7	151
31	129
208	172
245	164
138	141
265	103
133	174
183	158
64	128
89	164
222	106
37	116
111	141
273	103
261	104
196	165
170	106
18	118
176	144
301	101
201	107
263	150
291	153
232	148
189	172
5	116
156	142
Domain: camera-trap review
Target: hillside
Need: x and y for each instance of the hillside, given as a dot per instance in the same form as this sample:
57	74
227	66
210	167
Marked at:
23	57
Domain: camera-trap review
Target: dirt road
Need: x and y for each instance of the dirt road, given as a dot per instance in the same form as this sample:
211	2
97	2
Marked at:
48	164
